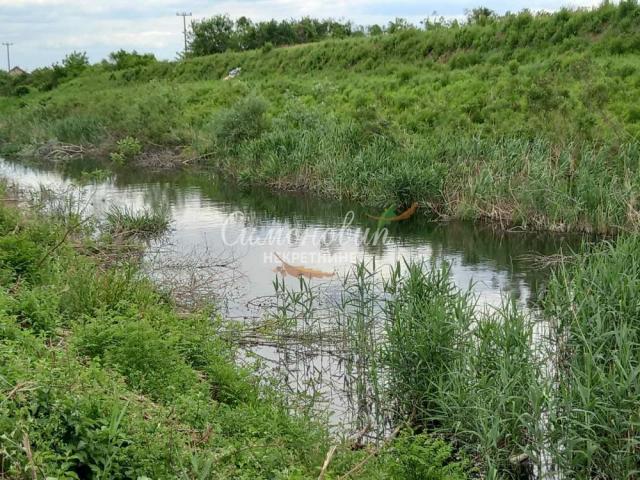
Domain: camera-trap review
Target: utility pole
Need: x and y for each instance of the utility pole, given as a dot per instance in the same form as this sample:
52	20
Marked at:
7	44
184	16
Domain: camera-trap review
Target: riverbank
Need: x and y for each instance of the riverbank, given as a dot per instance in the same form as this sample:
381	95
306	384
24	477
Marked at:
529	121
101	377
114	371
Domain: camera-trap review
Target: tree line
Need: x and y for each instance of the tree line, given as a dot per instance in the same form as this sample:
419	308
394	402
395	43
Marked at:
47	78
221	33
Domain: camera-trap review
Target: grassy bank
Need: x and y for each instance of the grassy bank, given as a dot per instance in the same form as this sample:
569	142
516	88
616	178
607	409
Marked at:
528	120
101	378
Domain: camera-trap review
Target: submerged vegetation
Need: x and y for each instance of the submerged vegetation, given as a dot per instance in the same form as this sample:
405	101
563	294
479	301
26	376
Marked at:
524	119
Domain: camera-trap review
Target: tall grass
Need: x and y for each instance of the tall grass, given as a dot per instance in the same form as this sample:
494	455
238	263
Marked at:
596	313
550	392
469	375
563	392
145	223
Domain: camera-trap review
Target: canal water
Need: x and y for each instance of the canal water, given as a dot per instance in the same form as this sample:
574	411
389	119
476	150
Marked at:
226	246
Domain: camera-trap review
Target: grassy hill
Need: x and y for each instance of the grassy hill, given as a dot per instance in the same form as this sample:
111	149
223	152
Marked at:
526	119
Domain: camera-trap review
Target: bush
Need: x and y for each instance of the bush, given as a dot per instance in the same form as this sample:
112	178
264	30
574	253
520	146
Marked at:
245	120
420	457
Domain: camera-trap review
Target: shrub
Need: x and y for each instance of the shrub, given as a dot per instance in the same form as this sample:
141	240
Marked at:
245	120
420	457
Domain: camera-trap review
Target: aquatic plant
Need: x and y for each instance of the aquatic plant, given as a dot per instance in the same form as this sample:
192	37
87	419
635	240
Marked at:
144	223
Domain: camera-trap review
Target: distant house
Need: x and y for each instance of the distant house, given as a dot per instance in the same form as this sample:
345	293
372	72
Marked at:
16	72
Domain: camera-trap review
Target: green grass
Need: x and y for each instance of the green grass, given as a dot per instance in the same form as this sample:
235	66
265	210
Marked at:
527	120
146	223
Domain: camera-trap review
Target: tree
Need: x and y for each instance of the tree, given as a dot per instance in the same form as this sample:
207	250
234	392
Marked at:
75	63
481	15
122	59
213	35
375	30
398	25
246	34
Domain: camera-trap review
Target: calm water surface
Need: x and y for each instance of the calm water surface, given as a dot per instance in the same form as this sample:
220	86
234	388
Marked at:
213	222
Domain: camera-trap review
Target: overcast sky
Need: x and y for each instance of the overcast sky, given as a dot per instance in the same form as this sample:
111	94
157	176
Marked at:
43	31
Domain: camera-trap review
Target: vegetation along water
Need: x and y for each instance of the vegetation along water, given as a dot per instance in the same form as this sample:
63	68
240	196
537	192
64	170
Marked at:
493	334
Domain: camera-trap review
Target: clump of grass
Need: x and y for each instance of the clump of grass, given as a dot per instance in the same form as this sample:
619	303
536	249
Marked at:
469	375
593	304
79	130
145	223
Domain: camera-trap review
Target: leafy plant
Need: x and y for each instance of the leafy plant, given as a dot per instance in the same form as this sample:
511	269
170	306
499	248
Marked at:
126	150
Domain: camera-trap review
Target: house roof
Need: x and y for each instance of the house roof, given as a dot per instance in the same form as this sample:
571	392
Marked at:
17	71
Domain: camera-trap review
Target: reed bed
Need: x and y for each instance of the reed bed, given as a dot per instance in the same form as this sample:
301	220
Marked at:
545	393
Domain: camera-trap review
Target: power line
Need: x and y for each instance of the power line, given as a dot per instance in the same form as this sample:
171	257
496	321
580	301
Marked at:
184	16
7	44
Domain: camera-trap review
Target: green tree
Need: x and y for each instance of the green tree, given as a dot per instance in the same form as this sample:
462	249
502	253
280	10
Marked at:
481	16
75	63
398	25
212	35
375	30
122	59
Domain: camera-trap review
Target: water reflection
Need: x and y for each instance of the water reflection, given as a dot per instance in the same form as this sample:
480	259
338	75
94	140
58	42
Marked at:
203	208
208	214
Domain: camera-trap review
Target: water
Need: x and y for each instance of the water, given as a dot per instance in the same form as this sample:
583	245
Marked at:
223	242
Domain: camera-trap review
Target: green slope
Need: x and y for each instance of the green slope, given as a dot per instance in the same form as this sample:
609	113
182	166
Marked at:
525	119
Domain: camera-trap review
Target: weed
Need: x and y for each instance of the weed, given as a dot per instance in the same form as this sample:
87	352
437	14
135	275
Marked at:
126	150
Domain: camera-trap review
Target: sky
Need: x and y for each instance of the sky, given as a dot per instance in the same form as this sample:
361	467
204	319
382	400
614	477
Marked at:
44	31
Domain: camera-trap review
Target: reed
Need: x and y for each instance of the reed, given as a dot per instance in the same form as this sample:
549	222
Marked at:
595	310
542	392
146	223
